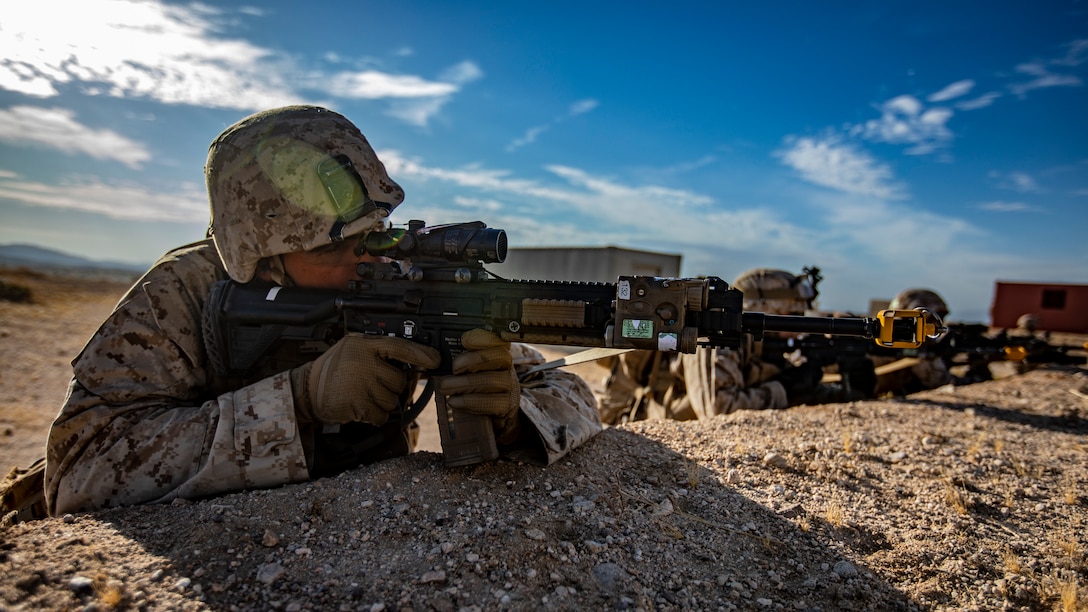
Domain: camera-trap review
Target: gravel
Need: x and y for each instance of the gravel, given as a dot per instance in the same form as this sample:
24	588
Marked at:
959	498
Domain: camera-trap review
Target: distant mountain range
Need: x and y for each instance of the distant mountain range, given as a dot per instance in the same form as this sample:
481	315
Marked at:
34	257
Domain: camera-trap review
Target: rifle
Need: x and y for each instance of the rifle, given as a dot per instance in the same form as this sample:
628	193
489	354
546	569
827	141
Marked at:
969	342
442	290
974	340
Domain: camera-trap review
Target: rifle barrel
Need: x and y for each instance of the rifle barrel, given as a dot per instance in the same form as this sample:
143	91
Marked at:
756	323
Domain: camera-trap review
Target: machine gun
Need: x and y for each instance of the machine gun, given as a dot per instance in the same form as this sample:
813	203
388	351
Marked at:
969	344
974	340
436	288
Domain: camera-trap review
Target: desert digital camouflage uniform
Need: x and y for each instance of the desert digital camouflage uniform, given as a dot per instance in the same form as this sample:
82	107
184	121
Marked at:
927	372
147	419
657	385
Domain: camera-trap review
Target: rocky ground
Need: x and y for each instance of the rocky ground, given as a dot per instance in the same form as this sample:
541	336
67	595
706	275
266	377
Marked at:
968	498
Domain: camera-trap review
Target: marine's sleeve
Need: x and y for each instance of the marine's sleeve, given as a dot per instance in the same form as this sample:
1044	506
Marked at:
624	380
722	380
141	423
560	408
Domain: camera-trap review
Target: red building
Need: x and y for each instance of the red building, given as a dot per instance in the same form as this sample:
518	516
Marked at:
1060	307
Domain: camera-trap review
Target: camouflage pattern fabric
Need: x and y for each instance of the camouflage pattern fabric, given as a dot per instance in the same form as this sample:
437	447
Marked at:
142	422
266	197
642	385
774	291
699	385
560	406
909	299
726	380
22	495
147	421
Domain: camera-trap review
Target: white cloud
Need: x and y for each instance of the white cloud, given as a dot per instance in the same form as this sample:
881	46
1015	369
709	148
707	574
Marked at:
685	167
1043	77
469	176
186	204
1001	207
953	90
587	210
487	204
57	128
428	97
174	54
583	106
893	231
905	120
370	84
464	72
1076	55
138	49
609	199
982	101
580	107
832	163
528	137
609	208
1016	181
595	196
416	112
903	105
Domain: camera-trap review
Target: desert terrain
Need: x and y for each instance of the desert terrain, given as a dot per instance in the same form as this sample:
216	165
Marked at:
959	498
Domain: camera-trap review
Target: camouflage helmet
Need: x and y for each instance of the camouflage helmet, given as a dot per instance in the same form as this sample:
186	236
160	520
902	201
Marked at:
1028	322
776	291
909	299
292	179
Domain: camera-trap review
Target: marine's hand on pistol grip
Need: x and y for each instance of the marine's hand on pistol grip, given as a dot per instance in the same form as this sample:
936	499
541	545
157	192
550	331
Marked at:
359	379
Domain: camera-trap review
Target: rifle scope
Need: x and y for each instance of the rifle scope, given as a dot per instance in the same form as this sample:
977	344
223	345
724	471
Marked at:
468	243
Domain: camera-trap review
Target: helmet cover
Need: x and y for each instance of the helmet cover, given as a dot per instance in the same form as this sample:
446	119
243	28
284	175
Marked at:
1028	322
775	291
909	299
292	179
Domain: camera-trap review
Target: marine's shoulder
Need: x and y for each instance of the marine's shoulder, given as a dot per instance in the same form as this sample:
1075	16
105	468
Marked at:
184	273
197	258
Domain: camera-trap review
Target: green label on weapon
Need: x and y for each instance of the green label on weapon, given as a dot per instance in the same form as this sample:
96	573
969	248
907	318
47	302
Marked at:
636	328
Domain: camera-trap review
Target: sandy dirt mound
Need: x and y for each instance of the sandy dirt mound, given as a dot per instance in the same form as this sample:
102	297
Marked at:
958	498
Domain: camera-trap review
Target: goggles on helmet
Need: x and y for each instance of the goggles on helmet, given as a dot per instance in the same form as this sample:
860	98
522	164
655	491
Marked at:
313	180
346	189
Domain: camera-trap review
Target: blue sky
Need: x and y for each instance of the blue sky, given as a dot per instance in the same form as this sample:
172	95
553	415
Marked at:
892	144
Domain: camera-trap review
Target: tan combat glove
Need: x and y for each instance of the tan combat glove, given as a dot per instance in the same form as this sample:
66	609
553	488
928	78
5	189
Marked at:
359	379
484	382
